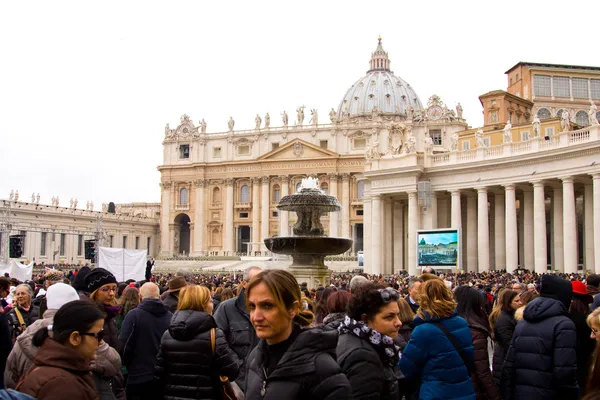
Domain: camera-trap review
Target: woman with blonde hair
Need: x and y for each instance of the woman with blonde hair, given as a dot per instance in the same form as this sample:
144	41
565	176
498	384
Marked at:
193	352
291	360
440	351
593	321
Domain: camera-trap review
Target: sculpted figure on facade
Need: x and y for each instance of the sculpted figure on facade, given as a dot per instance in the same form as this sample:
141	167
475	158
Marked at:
33	197
230	124
508	132
284	118
410	112
91	205
176	242
536	126
314	116
332	116
454	141
479	138
565	121
410	146
167	130
592	113
11	196
71	203
202	126
428	142
17	195
37	199
104	207
57	201
300	115
395	138
257	122
75	203
459	111
267	121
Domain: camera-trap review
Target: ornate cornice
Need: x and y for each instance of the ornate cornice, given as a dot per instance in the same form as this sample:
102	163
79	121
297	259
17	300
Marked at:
345	177
165	185
332	176
284	178
265	180
229	182
256	180
201	183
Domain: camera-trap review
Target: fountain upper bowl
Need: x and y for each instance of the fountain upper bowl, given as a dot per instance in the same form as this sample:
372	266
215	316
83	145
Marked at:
309	199
313	245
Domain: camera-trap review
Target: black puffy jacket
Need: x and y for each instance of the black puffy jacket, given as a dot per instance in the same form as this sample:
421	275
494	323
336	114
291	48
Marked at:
307	370
186	366
369	377
503	333
541	362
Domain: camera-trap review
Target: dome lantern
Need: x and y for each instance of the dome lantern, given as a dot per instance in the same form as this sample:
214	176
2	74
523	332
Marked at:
379	59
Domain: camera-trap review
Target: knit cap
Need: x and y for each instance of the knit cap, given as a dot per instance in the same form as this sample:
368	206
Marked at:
97	278
60	294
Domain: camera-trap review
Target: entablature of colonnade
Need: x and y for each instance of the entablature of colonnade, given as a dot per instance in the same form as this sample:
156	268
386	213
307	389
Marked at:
571	155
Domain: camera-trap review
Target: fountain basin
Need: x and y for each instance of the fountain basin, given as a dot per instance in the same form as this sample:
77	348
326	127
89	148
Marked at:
310	245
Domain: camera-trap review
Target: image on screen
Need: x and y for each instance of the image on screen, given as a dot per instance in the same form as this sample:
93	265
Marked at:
437	248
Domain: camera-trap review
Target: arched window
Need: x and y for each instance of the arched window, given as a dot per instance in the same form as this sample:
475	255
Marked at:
325	187
183	197
276	193
245	194
543	113
559	113
216	196
360	190
298	186
581	118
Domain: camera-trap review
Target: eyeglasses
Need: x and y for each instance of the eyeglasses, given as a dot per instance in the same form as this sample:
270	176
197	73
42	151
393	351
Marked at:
98	335
595	331
389	294
108	289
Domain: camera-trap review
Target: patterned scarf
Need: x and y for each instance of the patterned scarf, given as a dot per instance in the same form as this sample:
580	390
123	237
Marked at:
383	344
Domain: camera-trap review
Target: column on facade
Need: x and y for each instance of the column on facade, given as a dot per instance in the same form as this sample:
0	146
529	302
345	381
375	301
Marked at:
431	220
284	220
456	221
199	224
596	195
265	209
334	217
229	231
588	226
255	214
558	256
483	231
388	252
499	232
376	228
413	225
471	232
398	237
539	228
346	205
512	243
165	209
367	234
528	251
569	226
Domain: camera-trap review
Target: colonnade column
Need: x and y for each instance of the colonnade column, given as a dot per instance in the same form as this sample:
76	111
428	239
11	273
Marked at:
346	205
499	232
596	190
255	214
199	217
539	228
569	226
558	261
284	221
471	232
588	226
334	217
512	242
388	237
413	225
528	251
229	216
165	248
367	233
456	221
398	237
265	204
483	231
376	228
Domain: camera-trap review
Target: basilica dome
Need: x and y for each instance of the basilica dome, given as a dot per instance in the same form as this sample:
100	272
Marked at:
379	89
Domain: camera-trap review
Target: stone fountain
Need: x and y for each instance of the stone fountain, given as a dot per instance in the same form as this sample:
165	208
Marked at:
309	246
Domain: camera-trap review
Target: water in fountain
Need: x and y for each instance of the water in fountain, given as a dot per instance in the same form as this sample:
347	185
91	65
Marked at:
309	246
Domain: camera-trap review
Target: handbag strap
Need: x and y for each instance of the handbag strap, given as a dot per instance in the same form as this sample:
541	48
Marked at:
20	318
452	340
212	340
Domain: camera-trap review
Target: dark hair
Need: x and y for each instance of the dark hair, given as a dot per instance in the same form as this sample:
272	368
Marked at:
121	288
337	302
471	305
579	305
321	309
507	299
75	316
366	300
593	280
528	296
4	284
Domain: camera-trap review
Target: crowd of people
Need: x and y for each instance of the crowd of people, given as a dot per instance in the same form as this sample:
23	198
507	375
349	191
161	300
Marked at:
261	334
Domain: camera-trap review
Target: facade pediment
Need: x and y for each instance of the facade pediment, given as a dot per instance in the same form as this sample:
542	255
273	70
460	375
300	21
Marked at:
298	149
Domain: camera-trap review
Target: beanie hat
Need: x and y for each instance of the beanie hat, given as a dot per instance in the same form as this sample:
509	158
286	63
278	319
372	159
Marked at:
54	275
60	294
97	278
557	288
79	281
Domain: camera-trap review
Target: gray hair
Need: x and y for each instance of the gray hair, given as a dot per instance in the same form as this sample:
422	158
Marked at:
249	271
24	285
356	281
411	282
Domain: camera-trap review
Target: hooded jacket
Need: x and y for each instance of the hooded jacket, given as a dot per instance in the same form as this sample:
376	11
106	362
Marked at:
541	362
503	334
140	338
485	387
186	366
307	370
60	373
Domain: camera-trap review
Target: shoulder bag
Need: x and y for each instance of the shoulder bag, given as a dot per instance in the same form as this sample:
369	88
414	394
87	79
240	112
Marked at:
226	389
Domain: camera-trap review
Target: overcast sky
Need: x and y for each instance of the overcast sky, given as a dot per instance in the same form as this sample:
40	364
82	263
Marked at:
87	87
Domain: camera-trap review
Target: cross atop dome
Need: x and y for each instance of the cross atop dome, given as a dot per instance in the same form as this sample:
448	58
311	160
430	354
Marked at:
379	59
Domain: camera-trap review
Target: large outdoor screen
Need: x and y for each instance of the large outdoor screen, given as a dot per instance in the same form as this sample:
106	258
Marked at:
438	248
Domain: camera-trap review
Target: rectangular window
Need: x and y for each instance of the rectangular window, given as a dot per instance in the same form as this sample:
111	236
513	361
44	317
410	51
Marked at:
436	136
124	242
216	152
275	214
137	242
63	238
561	86
276	195
580	88
274	145
243	150
43	244
110	241
79	245
359	212
184	151
466	145
595	88
486	141
243	215
148	244
524	136
23	243
323	144
541	85
549	132
359	144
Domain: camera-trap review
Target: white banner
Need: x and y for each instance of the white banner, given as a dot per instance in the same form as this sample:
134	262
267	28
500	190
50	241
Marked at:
124	264
22	272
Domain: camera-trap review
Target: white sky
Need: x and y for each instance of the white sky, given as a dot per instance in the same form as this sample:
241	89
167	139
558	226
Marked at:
87	87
